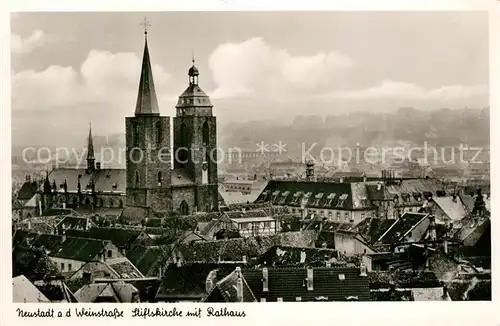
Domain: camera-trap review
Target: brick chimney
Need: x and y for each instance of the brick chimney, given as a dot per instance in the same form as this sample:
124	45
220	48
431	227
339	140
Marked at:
310	279
210	281
239	285
432	228
265	280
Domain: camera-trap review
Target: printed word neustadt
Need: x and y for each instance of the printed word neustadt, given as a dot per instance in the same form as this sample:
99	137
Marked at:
78	312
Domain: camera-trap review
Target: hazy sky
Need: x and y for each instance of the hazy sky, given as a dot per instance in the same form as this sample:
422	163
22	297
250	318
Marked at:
72	68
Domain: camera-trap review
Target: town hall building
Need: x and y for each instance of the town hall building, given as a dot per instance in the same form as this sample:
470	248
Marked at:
149	184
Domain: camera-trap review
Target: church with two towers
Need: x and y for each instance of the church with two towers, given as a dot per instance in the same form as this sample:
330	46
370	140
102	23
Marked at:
162	174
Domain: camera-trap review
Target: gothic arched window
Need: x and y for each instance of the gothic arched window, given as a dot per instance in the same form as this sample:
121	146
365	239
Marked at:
158	132
184	208
206	134
159	178
135	133
183	150
136	178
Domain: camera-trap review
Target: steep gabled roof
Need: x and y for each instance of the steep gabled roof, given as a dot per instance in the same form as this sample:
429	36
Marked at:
229	286
147	103
28	190
402	226
76	223
119	291
325	195
26	292
120	237
329	284
80	249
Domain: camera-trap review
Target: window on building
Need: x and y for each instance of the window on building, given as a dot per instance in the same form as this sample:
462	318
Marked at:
206	134
136	178
338	216
342	277
298	299
362	215
283	198
159	178
295	198
62	267
262	299
342	198
110	253
70	267
267	224
135	133
317	198
329	199
346	216
275	195
184	208
280	299
158	132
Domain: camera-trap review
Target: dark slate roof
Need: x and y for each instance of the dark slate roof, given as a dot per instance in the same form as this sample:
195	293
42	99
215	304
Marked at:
324	195
371	229
59	212
147	259
316	224
180	178
56	291
120	237
295	257
197	96
125	269
48	241
227	288
401	226
105	180
288	284
28	190
246	214
147	103
80	249
235	249
75	223
189	280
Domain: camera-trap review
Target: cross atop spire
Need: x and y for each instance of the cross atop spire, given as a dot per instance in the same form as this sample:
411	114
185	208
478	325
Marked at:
192	60
147	102
145	23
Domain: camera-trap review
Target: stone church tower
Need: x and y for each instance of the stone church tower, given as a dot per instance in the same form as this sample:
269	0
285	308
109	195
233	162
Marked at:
148	153
195	142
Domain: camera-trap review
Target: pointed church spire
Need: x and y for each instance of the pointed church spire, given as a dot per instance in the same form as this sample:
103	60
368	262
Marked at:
147	103
90	151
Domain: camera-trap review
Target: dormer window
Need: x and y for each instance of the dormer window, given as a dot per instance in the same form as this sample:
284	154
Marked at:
317	198
284	196
305	199
342	198
107	176
296	196
275	195
329	199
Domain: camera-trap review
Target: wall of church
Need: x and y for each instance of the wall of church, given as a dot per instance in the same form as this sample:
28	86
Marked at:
148	160
184	194
207	198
